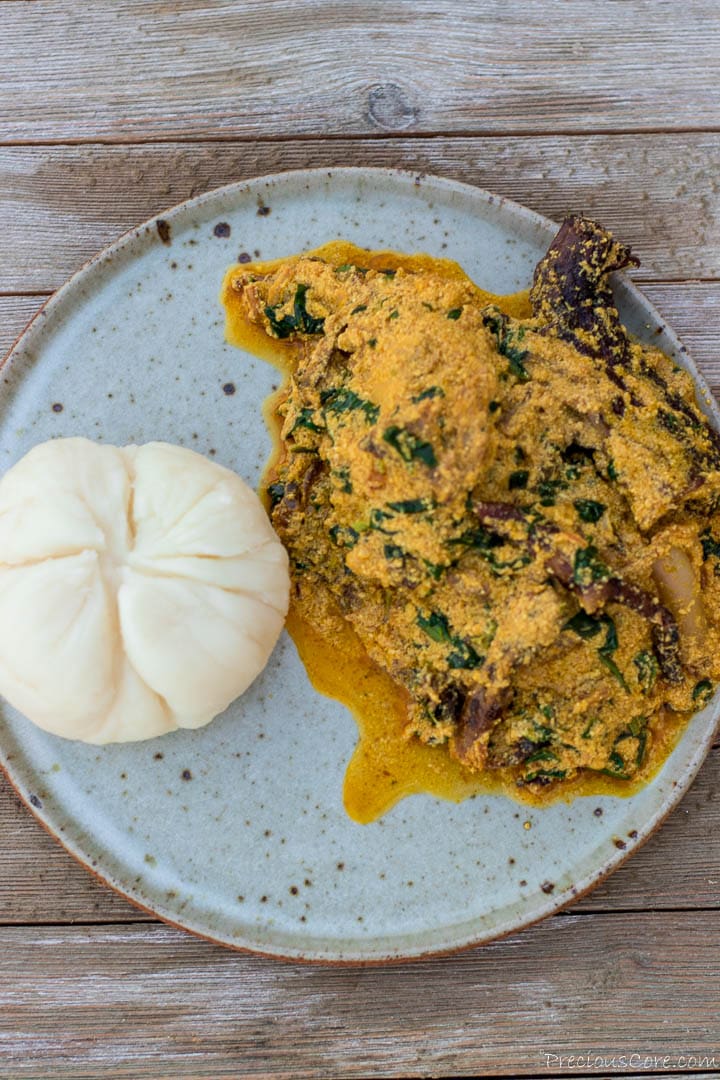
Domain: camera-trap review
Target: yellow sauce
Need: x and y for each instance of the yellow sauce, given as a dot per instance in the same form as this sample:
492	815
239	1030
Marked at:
386	766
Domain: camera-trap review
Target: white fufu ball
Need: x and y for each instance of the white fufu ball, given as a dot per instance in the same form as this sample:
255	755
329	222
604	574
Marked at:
142	589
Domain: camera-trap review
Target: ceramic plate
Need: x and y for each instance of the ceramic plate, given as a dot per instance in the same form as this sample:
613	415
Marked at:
237	831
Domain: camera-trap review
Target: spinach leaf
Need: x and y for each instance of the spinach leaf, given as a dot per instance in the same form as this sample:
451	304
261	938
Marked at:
544	776
587	731
377	520
548	489
304	419
462	655
622	762
587	626
518	480
343	535
543	754
341	399
431	392
497	324
711	547
483	542
616	766
587	567
300	322
409	446
647	670
584	625
410	506
608	647
589	510
702	692
276	492
435	626
342	473
393	551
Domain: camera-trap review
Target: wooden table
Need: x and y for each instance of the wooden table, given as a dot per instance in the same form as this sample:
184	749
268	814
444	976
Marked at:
111	111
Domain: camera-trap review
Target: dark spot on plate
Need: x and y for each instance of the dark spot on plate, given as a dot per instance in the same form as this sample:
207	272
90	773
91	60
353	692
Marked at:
58	407
620	844
34	801
263	899
186	774
244	257
548	887
163	230
262	209
158	756
522	883
222	229
598	811
633	834
341	866
294	890
229	388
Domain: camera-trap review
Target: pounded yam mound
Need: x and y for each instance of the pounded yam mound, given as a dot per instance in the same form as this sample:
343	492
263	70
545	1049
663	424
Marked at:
142	589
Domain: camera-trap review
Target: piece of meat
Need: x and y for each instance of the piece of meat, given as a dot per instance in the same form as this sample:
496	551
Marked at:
571	293
561	562
482	710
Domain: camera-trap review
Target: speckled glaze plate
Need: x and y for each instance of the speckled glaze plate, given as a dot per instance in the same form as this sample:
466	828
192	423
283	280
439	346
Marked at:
237	831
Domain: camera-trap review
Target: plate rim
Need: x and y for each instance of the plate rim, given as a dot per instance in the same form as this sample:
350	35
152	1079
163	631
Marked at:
544	225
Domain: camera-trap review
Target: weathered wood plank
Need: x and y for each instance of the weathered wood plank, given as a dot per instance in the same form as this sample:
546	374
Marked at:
678	868
15	313
41	883
693	311
146	1001
289	67
661	193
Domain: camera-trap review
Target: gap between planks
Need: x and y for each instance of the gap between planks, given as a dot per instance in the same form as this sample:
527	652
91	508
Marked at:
150	68
660	194
334	136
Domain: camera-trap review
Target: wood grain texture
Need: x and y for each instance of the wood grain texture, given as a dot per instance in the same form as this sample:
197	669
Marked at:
660	193
146	1001
679	868
146	68
15	314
